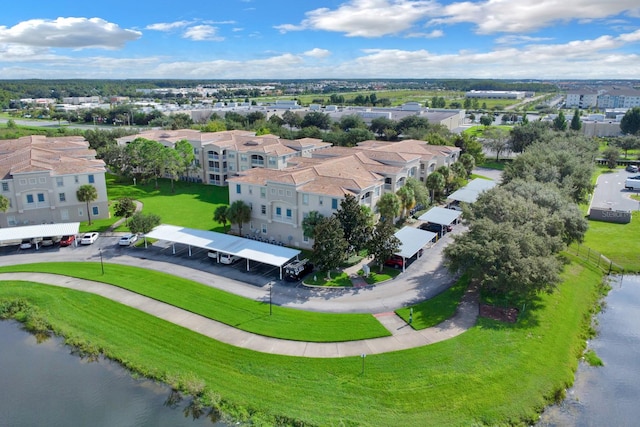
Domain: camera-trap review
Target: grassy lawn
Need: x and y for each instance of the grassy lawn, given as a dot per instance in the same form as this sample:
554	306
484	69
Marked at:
319	278
438	309
375	276
617	242
242	313
494	374
192	205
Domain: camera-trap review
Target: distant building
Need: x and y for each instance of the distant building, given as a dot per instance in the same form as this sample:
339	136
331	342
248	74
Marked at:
495	94
40	176
582	99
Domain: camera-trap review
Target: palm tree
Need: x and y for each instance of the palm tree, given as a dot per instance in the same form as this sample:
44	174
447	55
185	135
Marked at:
389	206
221	215
407	198
87	193
435	183
239	213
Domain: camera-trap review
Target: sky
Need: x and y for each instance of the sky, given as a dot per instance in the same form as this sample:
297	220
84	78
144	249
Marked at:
321	39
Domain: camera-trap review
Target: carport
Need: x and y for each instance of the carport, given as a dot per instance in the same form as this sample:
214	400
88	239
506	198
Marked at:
38	231
251	250
442	216
470	192
411	241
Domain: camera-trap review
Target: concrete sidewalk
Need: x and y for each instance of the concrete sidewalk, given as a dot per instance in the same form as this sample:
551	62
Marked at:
403	336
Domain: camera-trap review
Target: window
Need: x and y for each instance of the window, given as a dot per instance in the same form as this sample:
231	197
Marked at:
263	209
305	199
22	181
243	157
263	192
264	228
272	161
210	163
289	213
75	179
80	212
5	186
29	198
305	239
334	203
91	179
62	197
232	155
42	180
250	190
320	201
32	181
238	189
273	191
95	210
60	181
289	194
40	197
377	191
64	214
278	211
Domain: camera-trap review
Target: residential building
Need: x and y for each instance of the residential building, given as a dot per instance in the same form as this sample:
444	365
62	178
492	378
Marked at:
280	199
40	177
220	155
582	99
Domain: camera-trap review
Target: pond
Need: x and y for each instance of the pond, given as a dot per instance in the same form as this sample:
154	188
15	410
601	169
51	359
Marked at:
43	384
608	395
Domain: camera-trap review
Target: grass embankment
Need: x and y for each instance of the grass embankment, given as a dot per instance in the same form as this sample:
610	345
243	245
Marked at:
618	242
233	310
494	374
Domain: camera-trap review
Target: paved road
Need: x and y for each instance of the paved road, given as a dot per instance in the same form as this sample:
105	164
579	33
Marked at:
610	192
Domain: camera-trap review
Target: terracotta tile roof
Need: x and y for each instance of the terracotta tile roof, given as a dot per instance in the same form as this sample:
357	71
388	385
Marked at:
58	155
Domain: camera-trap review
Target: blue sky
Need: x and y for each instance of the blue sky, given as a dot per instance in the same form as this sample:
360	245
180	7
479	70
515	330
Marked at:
291	39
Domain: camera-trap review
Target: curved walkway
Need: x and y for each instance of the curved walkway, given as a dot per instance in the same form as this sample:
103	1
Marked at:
403	336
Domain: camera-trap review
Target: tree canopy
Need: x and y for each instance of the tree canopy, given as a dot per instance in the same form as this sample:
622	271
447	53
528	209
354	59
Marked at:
630	123
329	246
87	193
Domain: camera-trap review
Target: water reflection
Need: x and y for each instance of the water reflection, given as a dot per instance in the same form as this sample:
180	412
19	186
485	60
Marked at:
45	385
608	395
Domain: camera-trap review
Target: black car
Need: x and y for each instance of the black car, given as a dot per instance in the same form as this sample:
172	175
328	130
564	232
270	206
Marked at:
297	270
434	228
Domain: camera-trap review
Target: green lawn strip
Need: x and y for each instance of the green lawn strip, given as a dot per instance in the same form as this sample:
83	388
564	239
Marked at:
233	310
319	278
494	374
437	309
375	276
618	242
190	205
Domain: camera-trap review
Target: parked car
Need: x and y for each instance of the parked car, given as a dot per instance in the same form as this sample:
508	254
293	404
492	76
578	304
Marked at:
297	270
228	258
212	254
434	228
26	244
128	239
49	241
67	240
396	261
89	238
632	168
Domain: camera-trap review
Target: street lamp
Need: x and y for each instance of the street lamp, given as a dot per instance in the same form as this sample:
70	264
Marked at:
270	293
101	263
363	355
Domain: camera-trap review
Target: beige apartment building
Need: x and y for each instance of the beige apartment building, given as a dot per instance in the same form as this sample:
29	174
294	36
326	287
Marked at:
40	177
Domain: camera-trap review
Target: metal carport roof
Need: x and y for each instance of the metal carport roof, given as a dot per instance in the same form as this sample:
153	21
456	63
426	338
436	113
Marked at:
245	248
412	240
40	230
470	192
480	184
442	216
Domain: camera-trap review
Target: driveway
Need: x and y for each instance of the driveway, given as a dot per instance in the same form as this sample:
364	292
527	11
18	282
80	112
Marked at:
610	192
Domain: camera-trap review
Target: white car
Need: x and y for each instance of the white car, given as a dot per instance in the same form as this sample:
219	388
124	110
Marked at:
26	244
128	239
228	259
89	238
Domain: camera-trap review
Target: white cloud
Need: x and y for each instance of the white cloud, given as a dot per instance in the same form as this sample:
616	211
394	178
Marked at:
317	53
74	33
430	35
202	33
366	18
506	16
168	26
513	39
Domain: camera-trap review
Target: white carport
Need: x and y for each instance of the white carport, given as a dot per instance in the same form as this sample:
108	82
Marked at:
251	250
442	216
470	192
38	231
411	241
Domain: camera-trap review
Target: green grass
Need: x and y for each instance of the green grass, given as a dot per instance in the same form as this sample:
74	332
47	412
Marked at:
319	278
494	374
618	242
191	205
592	358
375	276
233	310
437	309
493	164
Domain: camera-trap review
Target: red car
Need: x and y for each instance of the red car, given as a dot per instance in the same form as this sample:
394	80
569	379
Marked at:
396	261
67	240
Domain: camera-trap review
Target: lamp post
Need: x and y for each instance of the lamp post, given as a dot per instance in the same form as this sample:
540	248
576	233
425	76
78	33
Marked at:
270	293
101	263
363	355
